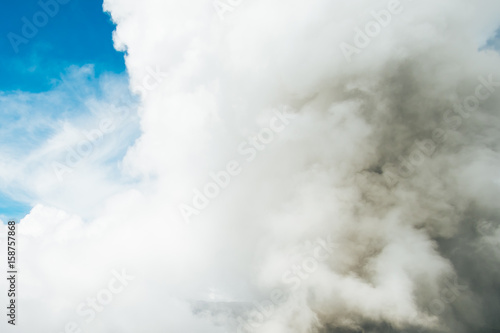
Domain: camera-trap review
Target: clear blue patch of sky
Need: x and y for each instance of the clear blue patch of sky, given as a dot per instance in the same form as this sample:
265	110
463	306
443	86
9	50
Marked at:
79	33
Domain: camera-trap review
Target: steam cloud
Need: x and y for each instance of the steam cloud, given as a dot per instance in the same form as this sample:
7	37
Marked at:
374	210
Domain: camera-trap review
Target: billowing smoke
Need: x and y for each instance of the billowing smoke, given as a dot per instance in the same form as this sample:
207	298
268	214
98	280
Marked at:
303	166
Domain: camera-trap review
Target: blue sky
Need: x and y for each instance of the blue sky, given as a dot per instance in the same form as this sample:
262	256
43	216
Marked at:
49	79
80	33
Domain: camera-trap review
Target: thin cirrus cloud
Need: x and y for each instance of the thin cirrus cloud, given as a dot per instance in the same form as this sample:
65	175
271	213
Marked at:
52	139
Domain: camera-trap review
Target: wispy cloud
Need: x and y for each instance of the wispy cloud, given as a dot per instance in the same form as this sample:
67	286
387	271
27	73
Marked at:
40	129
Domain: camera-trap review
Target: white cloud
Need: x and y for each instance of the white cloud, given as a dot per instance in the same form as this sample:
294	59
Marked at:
322	175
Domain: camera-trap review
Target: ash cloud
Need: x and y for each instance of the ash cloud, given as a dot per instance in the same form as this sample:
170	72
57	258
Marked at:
379	157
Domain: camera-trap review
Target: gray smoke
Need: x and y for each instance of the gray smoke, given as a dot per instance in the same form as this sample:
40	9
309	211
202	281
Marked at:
393	151
303	166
